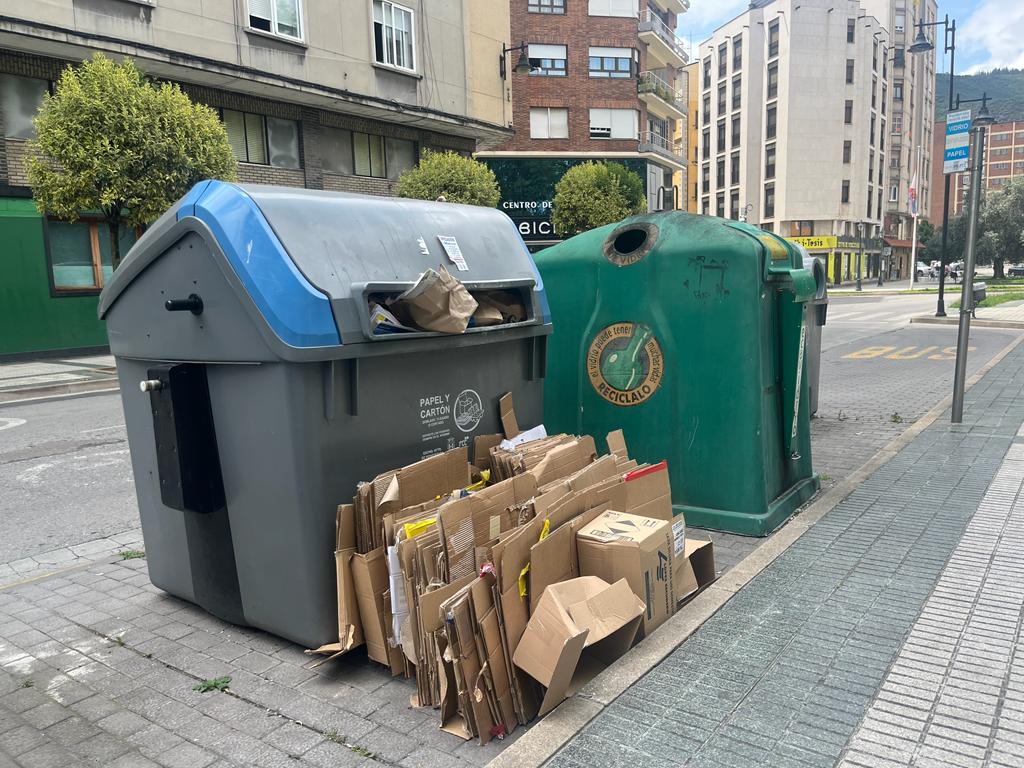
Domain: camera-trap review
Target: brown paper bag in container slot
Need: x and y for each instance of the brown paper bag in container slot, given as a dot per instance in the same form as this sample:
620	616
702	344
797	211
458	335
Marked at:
438	302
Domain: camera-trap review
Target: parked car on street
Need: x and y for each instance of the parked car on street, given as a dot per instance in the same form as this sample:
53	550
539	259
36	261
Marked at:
923	270
1017	270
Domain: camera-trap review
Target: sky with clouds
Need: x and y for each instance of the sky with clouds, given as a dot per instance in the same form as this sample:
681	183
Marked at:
990	33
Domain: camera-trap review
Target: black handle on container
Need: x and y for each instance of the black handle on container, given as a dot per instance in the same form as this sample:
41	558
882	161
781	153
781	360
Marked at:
192	304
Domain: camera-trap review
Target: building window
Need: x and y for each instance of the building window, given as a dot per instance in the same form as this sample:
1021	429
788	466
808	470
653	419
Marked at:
706	144
734	205
885	91
874	92
735	137
351	153
871	166
897	123
721	136
720	172
849	71
545	6
881	169
707	108
734	168
547	60
900	23
278	17
870	206
721	99
894	193
769	162
846	191
549	123
737	90
613	8
20	98
769	123
707	73
723	59
613	124
848	112
737	53
720	205
611	62
878	213
851	27
773	39
393	40
262	140
773	80
705	206
802	228
79	253
705	178
769	201
847	150
874	56
897	90
871	133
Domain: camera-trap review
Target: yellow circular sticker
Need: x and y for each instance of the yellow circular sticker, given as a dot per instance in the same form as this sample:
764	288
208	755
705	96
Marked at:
625	363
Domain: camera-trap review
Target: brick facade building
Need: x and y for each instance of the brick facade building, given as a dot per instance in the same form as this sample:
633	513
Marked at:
604	84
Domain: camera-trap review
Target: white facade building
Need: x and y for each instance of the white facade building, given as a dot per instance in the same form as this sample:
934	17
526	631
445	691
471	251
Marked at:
794	127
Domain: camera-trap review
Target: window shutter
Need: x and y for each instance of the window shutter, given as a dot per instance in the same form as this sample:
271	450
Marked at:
234	125
615	53
260	8
624	123
255	140
539	123
546	51
558	123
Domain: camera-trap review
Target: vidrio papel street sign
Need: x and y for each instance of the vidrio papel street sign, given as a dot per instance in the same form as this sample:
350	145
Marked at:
958	125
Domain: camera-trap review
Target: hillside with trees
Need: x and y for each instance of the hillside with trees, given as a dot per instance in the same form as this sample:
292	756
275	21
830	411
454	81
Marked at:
1004	87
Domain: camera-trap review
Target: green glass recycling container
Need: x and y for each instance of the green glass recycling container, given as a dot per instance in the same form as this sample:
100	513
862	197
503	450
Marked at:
687	332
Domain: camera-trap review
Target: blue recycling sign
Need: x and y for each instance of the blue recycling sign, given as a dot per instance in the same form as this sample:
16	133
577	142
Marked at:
957	152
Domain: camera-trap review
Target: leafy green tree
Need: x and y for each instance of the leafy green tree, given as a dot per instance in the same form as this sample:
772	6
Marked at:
110	141
1001	227
591	195
925	231
450	176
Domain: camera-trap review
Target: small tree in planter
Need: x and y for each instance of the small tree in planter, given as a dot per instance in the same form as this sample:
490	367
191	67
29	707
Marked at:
109	140
591	195
450	176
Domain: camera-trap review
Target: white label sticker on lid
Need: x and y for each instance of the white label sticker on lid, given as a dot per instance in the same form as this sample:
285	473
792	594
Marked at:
451	247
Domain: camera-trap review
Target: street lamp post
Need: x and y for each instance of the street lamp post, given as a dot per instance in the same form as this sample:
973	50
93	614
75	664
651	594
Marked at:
980	123
921	44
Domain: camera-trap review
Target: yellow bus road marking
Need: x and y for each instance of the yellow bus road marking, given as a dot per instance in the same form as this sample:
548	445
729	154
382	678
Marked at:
905	353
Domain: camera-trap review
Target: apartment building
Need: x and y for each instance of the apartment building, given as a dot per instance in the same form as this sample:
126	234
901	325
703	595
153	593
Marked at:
686	134
1004	161
912	97
325	94
603	83
793	126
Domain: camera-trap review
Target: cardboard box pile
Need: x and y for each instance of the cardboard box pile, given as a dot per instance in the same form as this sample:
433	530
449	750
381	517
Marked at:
504	584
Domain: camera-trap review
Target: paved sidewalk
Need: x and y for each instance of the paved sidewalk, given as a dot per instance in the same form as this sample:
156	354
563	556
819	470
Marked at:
1008	315
885	636
43	377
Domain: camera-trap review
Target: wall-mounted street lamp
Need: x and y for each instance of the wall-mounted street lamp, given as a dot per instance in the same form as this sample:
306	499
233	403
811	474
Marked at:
522	67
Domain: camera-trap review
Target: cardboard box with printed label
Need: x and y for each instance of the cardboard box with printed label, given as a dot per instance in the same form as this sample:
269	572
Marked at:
579	627
617	545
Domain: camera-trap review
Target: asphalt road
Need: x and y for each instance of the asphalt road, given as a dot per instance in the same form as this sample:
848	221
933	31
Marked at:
65	473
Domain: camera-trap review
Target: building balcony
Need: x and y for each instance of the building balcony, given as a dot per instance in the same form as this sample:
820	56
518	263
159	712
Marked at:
675	6
663	45
662	99
664	148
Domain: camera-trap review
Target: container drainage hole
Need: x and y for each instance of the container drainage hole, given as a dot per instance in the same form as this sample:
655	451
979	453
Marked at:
630	240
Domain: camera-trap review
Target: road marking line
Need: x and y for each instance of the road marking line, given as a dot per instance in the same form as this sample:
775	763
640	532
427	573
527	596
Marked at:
7	423
101	429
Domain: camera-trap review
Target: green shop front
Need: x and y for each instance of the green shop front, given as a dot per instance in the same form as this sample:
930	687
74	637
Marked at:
528	187
52	274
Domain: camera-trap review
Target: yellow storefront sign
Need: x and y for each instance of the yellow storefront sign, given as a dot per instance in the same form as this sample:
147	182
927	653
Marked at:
824	243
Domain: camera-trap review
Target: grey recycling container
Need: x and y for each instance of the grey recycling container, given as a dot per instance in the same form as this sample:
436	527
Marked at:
256	396
816	311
